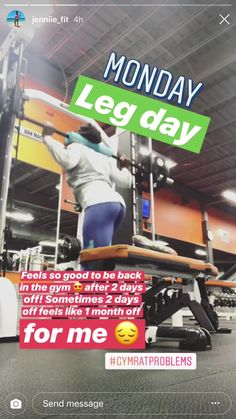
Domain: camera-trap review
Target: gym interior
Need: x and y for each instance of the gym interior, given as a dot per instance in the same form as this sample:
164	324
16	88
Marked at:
180	225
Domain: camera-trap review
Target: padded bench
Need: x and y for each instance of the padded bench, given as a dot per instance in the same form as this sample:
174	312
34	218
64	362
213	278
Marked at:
160	266
220	284
123	256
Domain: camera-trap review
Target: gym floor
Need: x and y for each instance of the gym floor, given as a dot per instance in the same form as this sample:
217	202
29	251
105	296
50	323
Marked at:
31	371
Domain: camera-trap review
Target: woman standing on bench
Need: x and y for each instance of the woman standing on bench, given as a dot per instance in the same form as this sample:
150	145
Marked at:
91	176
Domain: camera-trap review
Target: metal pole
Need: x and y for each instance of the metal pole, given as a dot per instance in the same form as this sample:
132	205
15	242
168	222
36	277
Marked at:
206	228
7	125
42	125
58	218
133	143
151	191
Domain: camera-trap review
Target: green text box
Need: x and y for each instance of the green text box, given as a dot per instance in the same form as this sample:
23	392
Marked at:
139	114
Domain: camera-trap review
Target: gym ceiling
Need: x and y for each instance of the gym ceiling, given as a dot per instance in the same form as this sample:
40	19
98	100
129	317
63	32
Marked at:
185	40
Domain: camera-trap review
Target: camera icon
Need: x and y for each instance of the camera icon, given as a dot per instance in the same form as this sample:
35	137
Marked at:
16	404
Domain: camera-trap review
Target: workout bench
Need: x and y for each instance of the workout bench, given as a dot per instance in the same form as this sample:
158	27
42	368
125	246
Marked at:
159	306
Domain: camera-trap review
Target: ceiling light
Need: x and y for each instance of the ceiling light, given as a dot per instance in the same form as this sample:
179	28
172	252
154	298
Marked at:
229	195
200	252
19	216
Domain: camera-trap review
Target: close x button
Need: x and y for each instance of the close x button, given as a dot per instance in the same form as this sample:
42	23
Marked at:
224	19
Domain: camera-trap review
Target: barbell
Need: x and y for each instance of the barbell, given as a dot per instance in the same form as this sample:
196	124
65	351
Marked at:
70	249
148	164
66	135
156	166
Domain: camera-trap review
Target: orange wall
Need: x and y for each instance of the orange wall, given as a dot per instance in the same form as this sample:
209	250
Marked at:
34	152
176	220
225	239
33	84
181	220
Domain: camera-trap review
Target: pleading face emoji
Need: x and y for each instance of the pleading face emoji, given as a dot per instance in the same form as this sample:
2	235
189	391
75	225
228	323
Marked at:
126	333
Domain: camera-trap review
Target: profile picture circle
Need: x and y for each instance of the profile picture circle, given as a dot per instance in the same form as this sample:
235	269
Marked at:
16	18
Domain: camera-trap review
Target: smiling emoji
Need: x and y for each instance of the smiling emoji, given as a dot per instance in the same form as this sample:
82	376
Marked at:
126	333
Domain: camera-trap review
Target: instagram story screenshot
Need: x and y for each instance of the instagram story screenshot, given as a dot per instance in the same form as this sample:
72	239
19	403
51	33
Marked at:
118	209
